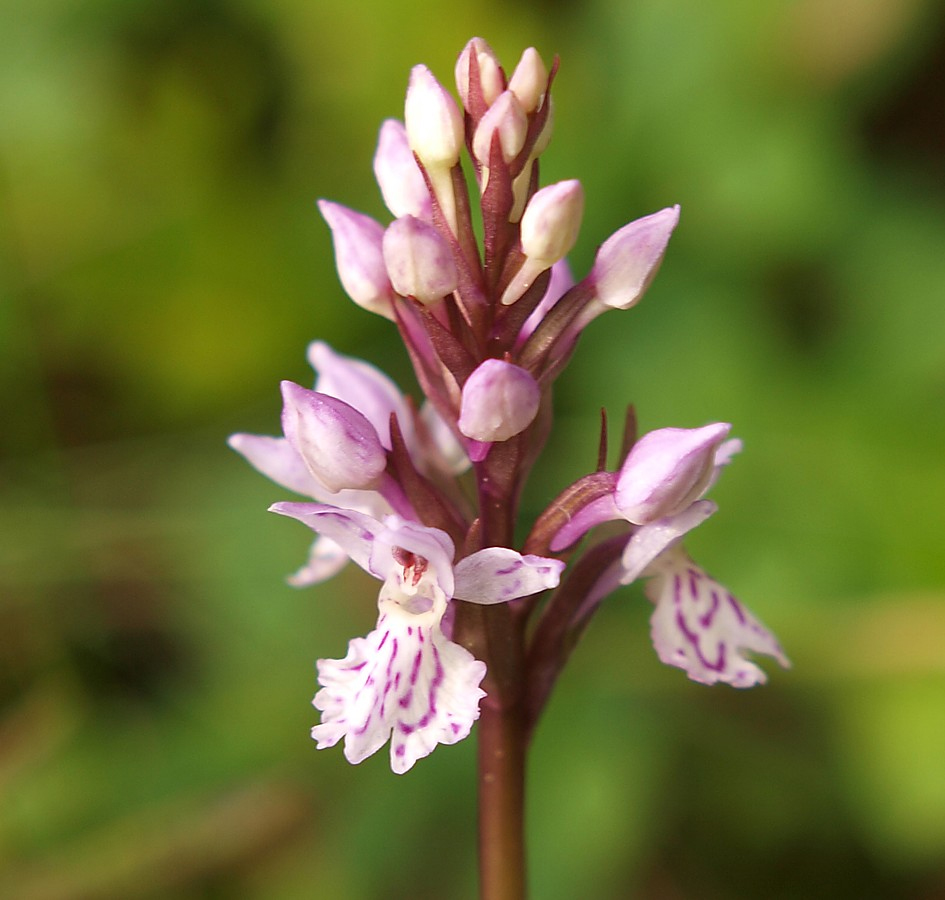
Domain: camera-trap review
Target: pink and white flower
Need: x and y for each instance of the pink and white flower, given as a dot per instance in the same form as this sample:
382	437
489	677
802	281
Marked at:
407	681
697	624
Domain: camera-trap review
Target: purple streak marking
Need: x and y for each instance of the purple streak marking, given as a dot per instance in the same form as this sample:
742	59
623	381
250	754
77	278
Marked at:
706	620
693	640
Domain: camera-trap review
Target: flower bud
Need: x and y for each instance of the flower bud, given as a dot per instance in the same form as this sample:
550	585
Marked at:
666	471
491	80
419	261
433	121
549	230
398	176
358	258
337	443
499	401
529	80
506	117
551	221
628	260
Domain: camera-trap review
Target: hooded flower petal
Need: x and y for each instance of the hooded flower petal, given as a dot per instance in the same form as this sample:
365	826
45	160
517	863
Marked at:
336	442
700	627
666	470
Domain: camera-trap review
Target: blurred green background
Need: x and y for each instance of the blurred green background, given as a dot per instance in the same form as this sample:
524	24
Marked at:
162	267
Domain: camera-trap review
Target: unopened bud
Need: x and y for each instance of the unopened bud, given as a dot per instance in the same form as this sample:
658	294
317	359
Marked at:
358	258
529	80
491	80
666	471
629	259
507	118
499	401
338	445
419	261
549	229
552	220
398	176
433	121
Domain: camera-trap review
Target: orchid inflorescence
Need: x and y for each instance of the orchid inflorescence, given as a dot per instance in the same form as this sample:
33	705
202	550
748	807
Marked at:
426	498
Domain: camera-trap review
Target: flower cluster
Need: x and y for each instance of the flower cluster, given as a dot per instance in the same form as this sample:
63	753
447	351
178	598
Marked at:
425	498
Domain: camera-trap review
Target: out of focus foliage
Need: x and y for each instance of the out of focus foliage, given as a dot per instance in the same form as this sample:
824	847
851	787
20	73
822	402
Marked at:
162	266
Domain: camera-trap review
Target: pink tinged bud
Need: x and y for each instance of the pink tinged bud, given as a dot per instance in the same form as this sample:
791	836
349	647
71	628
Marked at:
552	220
549	230
398	176
491	81
338	445
499	401
507	118
433	121
628	260
529	80
357	241
419	261
666	471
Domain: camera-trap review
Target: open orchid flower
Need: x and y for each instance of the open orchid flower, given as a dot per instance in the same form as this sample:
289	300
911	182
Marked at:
697	624
406	681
